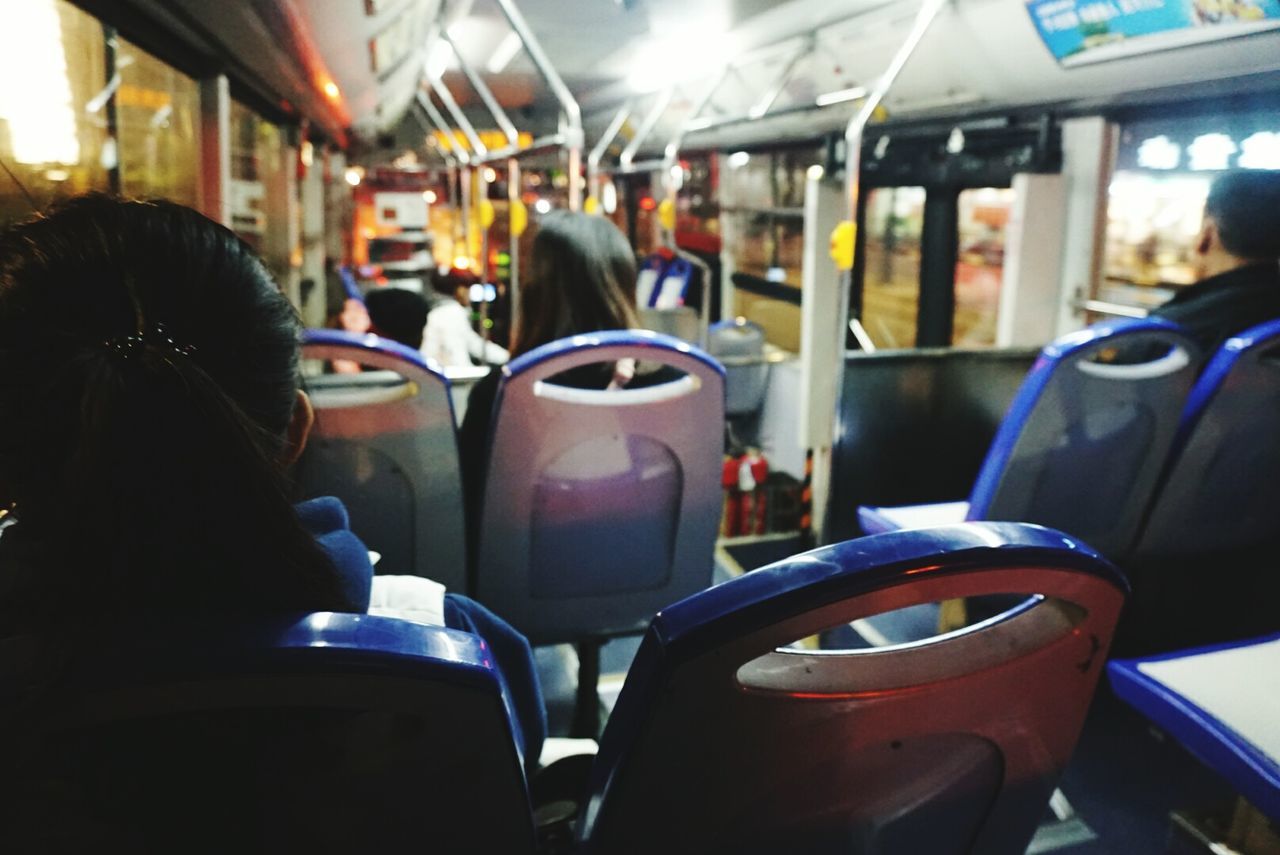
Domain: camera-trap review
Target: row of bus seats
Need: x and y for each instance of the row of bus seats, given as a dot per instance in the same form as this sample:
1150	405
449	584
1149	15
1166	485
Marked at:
332	732
1120	438
573	474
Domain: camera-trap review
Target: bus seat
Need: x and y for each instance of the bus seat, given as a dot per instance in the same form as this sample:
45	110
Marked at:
1085	439
729	737
1222	490
739	345
385	443
1222	704
324	733
600	507
1217	508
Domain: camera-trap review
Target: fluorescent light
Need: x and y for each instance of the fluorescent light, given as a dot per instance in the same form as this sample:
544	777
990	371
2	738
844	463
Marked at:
503	54
839	96
1211	151
38	110
1261	151
438	62
1159	153
739	159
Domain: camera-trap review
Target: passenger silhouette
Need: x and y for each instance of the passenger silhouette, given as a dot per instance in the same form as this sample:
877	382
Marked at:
1237	256
151	386
582	279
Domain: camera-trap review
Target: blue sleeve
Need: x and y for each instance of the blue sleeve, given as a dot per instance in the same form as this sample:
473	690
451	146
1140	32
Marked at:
516	671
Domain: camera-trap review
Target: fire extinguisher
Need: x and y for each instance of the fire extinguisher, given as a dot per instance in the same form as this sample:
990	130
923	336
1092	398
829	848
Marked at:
743	478
753	472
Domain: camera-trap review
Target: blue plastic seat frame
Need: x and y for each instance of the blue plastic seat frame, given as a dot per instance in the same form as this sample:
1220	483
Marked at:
1251	771
1221	486
724	741
1066	397
385	442
421	749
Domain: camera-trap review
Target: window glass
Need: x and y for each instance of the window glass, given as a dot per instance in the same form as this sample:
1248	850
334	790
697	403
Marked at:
762	219
891	281
53	129
1152	225
157	115
255	160
984	215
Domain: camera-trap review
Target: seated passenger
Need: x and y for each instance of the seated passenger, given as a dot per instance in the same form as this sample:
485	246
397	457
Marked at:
435	324
1238	260
582	279
149	376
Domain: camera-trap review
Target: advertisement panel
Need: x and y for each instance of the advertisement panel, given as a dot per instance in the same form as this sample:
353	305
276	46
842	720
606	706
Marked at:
1078	32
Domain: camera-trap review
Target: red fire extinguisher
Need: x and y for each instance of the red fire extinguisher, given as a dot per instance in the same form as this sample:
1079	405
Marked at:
743	479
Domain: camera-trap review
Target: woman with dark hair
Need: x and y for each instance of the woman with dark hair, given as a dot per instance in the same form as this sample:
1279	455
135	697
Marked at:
152	400
582	279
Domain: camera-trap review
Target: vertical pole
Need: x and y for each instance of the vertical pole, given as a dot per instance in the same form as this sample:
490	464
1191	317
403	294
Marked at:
313	241
215	149
513	199
111	113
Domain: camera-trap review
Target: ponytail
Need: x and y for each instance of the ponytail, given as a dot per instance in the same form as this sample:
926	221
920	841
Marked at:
149	369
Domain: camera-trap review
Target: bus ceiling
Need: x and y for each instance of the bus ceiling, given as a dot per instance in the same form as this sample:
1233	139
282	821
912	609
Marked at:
732	72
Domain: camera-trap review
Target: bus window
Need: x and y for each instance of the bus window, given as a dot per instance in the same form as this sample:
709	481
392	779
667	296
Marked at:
891	282
1152	224
984	213
52	61
158	109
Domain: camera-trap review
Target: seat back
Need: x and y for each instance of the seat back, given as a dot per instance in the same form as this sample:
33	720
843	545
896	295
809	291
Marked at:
1084	441
725	739
1222	487
324	732
739	345
600	507
385	443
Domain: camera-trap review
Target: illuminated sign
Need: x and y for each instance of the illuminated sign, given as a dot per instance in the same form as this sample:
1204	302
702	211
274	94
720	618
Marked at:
1084	31
1211	151
1260	151
1159	153
492	139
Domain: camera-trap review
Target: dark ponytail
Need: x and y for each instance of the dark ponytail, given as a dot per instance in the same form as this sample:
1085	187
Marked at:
148	375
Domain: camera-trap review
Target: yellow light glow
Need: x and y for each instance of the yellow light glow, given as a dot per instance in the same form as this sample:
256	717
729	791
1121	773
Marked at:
331	90
38	111
354	176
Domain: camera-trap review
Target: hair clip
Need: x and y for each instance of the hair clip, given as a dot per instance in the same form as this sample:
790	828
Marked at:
156	338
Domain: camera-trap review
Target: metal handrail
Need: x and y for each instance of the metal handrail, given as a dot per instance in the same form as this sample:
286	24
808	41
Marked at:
572	112
1102	307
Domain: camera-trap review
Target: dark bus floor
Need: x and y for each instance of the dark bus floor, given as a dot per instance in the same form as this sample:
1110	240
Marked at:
1122	783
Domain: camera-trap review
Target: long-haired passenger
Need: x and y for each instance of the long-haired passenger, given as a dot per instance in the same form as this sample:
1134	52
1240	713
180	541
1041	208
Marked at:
582	279
150	385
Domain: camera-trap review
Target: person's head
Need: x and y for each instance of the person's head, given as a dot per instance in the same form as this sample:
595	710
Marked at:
398	314
582	279
1241	221
149	380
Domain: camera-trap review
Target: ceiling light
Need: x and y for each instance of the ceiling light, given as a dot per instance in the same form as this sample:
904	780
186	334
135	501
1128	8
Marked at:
503	54
739	159
839	96
439	60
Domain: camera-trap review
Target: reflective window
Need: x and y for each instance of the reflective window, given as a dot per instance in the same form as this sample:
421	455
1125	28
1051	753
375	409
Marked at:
255	159
53	127
984	214
158	112
1152	225
762	220
891	278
